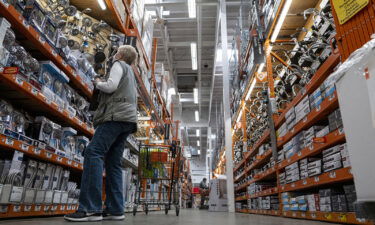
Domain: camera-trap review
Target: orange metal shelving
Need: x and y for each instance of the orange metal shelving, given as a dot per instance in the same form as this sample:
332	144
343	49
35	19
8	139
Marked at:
18	211
18	23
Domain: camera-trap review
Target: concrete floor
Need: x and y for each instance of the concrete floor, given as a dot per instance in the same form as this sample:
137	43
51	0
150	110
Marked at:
187	217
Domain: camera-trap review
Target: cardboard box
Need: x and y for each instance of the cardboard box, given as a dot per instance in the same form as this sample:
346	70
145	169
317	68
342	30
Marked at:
292	166
332	158
314	171
332	166
314	164
325	208
331	151
302	104
323	132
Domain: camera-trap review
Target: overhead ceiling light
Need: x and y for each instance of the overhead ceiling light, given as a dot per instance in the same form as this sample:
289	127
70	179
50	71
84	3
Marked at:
323	4
102	4
251	89
199	152
195	92
260	69
192	9
198	144
166	13
213	136
172	91
152	12
196	115
280	22
182	128
194	59
198	132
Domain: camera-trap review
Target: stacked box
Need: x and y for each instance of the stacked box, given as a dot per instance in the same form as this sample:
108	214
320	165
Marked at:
281	132
303	167
294	145
316	98
280	156
332	161
344	155
339	203
313	202
282	178
290	118
351	196
325	196
314	168
310	134
329	86
292	173
335	120
285	200
302	109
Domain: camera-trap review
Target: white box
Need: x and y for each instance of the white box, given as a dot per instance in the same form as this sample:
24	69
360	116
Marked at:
16	194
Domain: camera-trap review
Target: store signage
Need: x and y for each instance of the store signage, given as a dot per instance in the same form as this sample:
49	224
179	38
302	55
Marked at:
346	9
261	76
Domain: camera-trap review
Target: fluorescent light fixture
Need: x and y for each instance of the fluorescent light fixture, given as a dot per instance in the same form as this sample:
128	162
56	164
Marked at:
199	152
166	13
198	144
280	22
152	12
213	136
251	89
192	9
260	68
195	92
194	57
198	132
196	115
323	4
182	128
102	4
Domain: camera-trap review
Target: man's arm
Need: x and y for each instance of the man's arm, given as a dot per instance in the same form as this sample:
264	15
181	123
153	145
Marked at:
113	81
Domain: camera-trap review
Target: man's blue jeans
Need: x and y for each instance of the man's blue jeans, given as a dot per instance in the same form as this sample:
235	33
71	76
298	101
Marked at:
106	148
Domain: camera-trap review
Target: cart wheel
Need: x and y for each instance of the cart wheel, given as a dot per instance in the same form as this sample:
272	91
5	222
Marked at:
146	209
166	210
177	210
134	210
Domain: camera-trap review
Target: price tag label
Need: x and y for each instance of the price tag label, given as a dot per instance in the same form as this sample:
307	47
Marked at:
27	208
304	120
313	215
299	154
34	91
317	108
25	24
5	3
74	74
54	208
303	214
69	162
311	147
293	185
59	159
25	147
332	174
304	182
282	187
54	53
292	131
69	207
9	141
350	171
37	208
60	109
48	101
16	208
19	81
62	208
3	208
284	213
294	214
316	179
37	151
331	98
289	160
341	130
46	208
41	40
303	91
76	164
48	155
64	63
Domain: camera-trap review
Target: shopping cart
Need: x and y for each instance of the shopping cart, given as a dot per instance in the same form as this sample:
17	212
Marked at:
158	176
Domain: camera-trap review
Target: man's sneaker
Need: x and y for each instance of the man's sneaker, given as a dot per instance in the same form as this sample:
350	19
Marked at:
108	216
83	217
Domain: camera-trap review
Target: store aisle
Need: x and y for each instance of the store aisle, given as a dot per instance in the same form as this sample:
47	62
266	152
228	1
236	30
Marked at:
187	217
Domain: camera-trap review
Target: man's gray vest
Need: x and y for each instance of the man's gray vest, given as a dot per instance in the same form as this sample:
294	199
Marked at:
120	105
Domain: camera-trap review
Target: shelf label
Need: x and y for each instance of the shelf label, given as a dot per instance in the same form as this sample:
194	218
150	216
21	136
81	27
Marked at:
48	155
343	218
311	147
9	141
331	98
304	182
317	108
69	162
284	213
62	208
60	109
293	185
303	214
25	24
59	159
76	165
341	130
37	151
16	208
316	179
25	147
41	40
332	174
292	131
69	207
294	214
19	81
27	208
3	208
5	3
328	216
54	53
37	208
346	9
304	119
34	91
54	208
46	208
313	215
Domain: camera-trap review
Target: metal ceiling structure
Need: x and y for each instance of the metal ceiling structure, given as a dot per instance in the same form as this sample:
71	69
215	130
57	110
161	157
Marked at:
175	32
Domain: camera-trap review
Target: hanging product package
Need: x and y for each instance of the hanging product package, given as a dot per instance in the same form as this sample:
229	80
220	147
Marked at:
355	83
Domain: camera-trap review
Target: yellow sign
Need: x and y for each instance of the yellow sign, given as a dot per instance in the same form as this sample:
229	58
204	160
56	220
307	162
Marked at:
261	77
346	9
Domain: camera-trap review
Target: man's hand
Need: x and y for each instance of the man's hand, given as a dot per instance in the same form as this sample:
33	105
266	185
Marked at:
96	80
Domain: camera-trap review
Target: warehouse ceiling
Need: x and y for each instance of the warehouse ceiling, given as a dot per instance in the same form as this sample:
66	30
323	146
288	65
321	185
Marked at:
175	32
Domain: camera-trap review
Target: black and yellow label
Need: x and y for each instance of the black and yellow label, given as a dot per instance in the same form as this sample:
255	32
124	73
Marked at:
346	9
